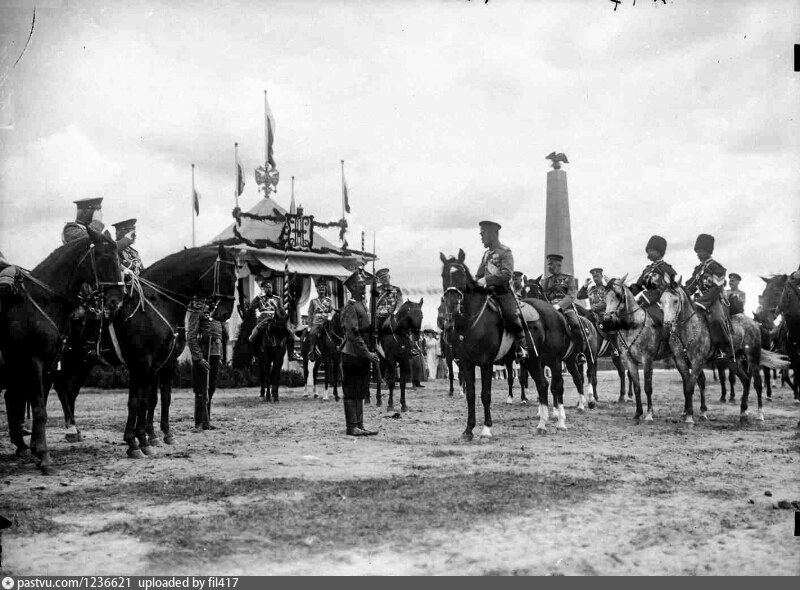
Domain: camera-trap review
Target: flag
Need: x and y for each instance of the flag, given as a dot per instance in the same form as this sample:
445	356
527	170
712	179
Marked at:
270	127
239	176
196	198
344	195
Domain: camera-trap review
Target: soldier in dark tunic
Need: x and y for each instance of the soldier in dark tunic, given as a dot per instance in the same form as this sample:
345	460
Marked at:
706	289
736	297
204	339
389	297
319	311
494	274
595	293
356	356
267	306
8	280
128	256
561	289
647	288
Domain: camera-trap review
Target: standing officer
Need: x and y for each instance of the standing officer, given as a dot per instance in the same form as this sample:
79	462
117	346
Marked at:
494	274
647	289
204	338
389	297
560	290
705	286
128	256
736	297
596	294
356	356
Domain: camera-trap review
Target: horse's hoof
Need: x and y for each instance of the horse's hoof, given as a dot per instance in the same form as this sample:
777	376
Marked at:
509	400
147	450
24	453
450	394
760	416
404	408
73	437
592	404
466	435
390	407
620	400
523	402
561	428
744	419
48	470
378	403
580	408
486	432
154	441
135	454
704	417
541	430
648	419
722	400
169	439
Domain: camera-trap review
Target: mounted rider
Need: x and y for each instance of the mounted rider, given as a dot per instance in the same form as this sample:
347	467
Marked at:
86	318
319	312
706	290
267	307
494	274
647	288
389	298
128	257
9	286
561	289
736	297
204	338
595	293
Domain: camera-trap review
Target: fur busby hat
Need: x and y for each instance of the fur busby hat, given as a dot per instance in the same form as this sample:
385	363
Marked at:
704	242
656	243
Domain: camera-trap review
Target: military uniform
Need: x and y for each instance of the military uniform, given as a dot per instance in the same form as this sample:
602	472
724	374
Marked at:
204	337
319	311
497	269
266	308
706	290
8	279
518	288
389	298
561	289
357	326
648	287
736	297
596	294
128	255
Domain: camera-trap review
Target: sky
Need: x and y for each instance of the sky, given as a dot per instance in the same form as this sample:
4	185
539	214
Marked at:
677	119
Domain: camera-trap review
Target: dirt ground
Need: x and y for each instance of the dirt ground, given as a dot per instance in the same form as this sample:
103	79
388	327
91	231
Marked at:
279	489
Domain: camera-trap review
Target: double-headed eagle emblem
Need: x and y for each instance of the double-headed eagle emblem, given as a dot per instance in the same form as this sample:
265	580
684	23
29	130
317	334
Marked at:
556	159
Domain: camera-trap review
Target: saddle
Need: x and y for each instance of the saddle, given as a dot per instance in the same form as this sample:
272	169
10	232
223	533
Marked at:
529	314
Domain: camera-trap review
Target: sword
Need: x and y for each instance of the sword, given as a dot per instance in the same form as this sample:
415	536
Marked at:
524	323
583	331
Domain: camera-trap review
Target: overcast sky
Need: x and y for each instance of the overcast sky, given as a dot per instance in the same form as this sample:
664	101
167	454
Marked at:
677	119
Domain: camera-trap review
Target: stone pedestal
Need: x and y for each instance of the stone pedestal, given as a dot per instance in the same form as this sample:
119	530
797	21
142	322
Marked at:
557	230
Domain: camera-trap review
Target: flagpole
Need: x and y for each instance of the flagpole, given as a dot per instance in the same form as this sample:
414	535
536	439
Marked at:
191	202
291	203
342	189
266	133
236	173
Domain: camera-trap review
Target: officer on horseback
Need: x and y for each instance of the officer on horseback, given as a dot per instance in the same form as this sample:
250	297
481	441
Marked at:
736	297
561	289
319	311
706	289
267	306
647	288
128	256
356	356
204	337
389	297
595	293
8	280
494	274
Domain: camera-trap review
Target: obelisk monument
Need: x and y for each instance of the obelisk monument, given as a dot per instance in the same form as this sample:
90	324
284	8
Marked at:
557	230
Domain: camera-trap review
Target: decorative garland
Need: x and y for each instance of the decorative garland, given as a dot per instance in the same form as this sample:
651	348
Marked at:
260	244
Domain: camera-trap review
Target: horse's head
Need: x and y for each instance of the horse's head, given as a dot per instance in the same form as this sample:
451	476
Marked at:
616	300
533	289
456	282
409	316
100	271
218	282
774	296
673	300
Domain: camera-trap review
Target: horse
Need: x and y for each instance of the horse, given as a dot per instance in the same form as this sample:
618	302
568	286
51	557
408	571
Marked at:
268	348
476	330
33	329
640	340
690	341
330	338
397	344
574	362
507	361
782	296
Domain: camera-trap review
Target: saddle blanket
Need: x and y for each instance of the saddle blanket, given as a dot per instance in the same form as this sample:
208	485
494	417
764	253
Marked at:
529	314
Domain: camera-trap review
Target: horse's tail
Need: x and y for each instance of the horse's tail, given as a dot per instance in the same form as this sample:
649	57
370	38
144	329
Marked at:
774	360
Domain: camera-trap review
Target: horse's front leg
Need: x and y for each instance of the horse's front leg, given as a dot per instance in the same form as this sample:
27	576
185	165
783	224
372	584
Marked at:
146	391
557	388
534	365
510	379
275	378
615	358
165	386
701	384
152	401
632	369
648	389
405	376
574	369
391	367
486	399
38	399
469	384
15	412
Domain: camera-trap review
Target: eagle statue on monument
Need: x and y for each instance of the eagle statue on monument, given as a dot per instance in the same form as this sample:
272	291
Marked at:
557	159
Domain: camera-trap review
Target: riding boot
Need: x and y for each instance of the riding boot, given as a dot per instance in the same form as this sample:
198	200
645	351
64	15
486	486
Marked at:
360	419
351	418
199	411
522	346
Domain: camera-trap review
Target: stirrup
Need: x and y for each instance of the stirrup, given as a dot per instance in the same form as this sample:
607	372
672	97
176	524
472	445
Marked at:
522	353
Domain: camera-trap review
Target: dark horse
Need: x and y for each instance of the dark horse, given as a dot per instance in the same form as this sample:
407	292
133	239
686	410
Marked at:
476	331
33	328
269	347
329	340
591	348
782	296
397	343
